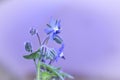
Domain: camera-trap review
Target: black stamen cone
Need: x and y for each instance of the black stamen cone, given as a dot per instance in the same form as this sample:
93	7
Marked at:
63	57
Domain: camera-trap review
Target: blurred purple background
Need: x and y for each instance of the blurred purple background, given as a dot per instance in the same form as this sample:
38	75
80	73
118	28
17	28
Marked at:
91	32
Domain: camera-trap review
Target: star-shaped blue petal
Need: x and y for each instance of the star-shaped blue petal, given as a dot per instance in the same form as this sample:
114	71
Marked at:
53	27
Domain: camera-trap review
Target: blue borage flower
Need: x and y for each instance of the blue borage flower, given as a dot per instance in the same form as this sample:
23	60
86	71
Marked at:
53	28
47	55
60	52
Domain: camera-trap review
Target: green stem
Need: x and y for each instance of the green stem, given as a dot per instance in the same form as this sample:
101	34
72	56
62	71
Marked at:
35	63
38	75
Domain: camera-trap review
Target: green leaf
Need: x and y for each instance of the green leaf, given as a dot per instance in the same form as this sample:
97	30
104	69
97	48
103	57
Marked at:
58	39
66	75
47	76
57	71
34	55
53	70
59	68
59	75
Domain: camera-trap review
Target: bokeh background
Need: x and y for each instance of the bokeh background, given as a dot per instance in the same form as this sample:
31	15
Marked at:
90	29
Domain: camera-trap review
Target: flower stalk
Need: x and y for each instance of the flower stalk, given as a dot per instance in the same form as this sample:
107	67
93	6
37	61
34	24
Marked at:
38	75
38	38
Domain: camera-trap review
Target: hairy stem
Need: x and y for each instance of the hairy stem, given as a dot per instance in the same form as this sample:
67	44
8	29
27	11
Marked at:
38	39
38	75
46	40
34	60
35	63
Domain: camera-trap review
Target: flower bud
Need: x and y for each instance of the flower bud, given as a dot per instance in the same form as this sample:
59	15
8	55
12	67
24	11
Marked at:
28	47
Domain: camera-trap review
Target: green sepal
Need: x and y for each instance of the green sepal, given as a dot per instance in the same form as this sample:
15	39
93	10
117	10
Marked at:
58	39
51	54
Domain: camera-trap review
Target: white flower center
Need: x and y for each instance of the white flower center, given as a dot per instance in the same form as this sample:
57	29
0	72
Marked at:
56	28
61	54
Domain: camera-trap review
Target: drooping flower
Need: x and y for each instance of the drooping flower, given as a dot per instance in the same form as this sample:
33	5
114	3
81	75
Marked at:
33	31
28	46
60	52
53	27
